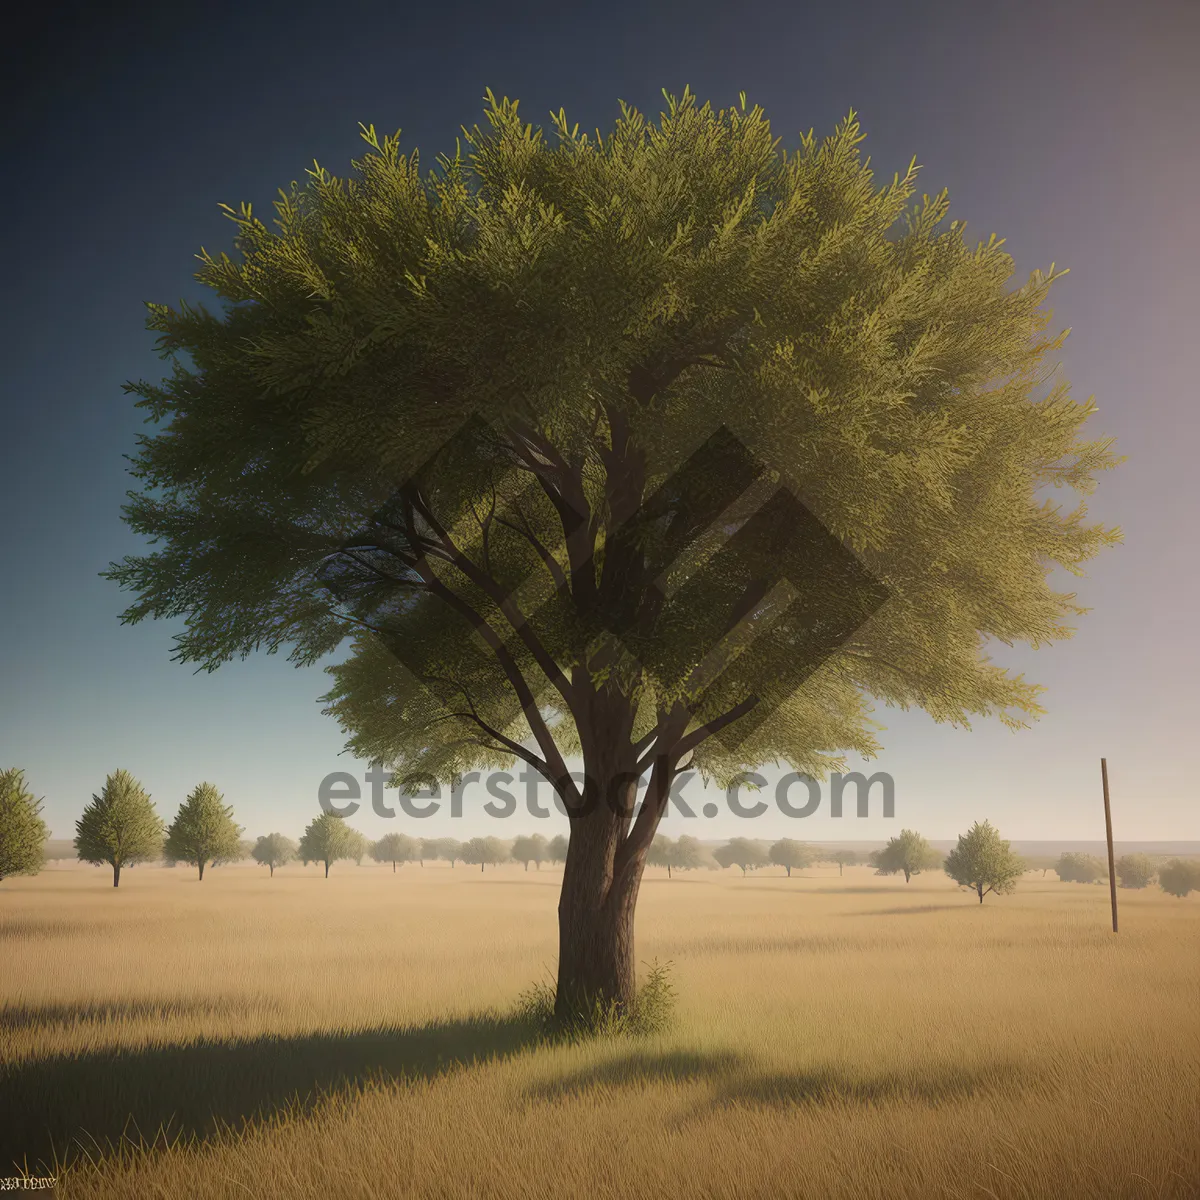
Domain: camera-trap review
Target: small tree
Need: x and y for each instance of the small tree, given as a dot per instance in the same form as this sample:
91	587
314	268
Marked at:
1136	870
1080	868
327	839
1179	877
909	853
843	858
741	852
557	850
203	831
119	827
273	850
787	853
530	849
662	853
23	833
690	854
982	861
450	850
486	851
395	848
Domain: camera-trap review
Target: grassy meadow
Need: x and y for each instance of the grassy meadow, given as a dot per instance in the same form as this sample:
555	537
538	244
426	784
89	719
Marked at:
835	1037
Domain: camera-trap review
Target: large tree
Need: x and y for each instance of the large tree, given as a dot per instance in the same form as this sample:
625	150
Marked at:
23	833
533	428
120	827
203	831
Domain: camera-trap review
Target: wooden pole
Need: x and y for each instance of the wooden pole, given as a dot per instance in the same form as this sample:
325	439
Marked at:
1112	866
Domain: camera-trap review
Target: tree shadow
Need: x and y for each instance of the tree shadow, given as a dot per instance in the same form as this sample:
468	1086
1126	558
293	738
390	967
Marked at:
59	1108
914	908
735	1081
670	1066
99	1012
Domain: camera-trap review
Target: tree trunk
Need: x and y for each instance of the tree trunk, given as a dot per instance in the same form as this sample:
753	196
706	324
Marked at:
271	868
840	868
979	889
527	866
393	868
327	868
668	870
481	868
907	876
789	871
116	874
202	870
599	890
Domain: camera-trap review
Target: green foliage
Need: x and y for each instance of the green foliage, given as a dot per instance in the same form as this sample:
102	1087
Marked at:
326	840
273	850
652	1011
618	298
23	833
598	308
481	851
788	854
203	831
1075	867
119	826
741	852
909	853
983	861
1179	876
357	846
530	849
395	848
1136	870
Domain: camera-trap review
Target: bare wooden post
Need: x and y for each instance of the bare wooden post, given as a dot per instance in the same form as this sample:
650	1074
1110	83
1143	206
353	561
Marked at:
1112	866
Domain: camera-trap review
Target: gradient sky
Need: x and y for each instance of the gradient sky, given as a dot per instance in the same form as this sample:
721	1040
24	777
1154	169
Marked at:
1071	129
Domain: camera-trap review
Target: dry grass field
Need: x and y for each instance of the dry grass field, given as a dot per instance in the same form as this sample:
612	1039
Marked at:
836	1037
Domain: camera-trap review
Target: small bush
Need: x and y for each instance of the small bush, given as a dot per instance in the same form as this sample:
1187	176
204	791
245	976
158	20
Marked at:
1179	877
652	1011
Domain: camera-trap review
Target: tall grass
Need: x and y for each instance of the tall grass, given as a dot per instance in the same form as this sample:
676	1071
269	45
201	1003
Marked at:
361	1036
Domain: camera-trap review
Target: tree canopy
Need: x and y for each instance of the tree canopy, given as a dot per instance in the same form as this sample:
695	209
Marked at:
203	831
395	848
531	848
120	826
327	839
470	420
909	853
789	853
742	852
273	850
23	833
983	861
1076	867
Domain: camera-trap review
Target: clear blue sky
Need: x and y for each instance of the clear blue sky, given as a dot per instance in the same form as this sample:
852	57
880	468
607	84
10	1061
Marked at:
1068	128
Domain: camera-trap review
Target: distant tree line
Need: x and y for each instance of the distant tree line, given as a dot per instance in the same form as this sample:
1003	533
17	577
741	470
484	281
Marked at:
121	828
